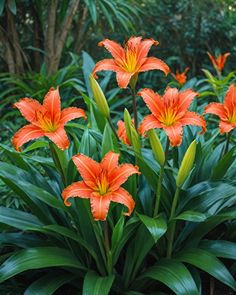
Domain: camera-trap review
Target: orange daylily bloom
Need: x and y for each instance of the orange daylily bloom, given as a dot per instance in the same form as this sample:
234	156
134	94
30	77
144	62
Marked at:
219	61
121	132
130	60
101	184
45	120
181	78
170	112
225	111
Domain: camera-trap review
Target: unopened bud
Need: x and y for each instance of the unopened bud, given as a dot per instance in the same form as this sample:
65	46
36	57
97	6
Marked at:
99	97
128	124
186	164
156	146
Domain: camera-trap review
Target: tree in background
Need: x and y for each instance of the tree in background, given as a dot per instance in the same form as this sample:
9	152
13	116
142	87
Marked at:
40	31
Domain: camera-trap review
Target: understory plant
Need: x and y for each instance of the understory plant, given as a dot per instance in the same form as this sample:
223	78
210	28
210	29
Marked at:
116	207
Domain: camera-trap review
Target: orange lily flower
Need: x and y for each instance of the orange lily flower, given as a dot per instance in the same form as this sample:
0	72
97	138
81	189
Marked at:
45	120
170	112
101	184
181	78
127	62
225	111
219	61
121	132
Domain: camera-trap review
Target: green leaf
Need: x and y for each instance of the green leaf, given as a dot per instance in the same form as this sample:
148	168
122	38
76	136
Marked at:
97	285
72	235
36	258
12	6
107	142
223	165
174	275
156	226
224	249
136	252
88	65
191	216
36	145
2	4
18	219
208	263
117	233
48	284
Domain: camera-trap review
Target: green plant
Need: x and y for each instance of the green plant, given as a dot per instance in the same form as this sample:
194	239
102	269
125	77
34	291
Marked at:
176	248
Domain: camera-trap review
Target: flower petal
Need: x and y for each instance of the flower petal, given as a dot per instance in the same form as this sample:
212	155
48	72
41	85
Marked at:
212	58
110	161
105	65
121	132
113	47
144	48
174	133
191	118
28	107
76	189
133	42
230	98
149	122
217	109
100	205
59	137
71	113
170	96
224	58
185	99
153	101
123	78
26	134
52	103
153	63
119	175
88	169
225	127
123	197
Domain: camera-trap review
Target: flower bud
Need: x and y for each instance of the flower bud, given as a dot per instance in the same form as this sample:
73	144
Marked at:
131	132
156	146
135	141
99	97
186	164
128	123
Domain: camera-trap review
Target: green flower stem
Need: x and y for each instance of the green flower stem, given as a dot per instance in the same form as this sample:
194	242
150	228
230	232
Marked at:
133	94
226	148
172	223
107	247
160	180
57	162
112	127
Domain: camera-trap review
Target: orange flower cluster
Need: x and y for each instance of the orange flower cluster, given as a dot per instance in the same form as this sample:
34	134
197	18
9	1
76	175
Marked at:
102	181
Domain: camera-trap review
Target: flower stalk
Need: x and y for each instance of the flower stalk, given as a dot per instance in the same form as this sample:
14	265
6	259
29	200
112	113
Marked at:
172	223
135	111
160	180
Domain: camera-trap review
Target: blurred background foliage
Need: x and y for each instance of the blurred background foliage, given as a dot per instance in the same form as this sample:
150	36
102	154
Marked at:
39	33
